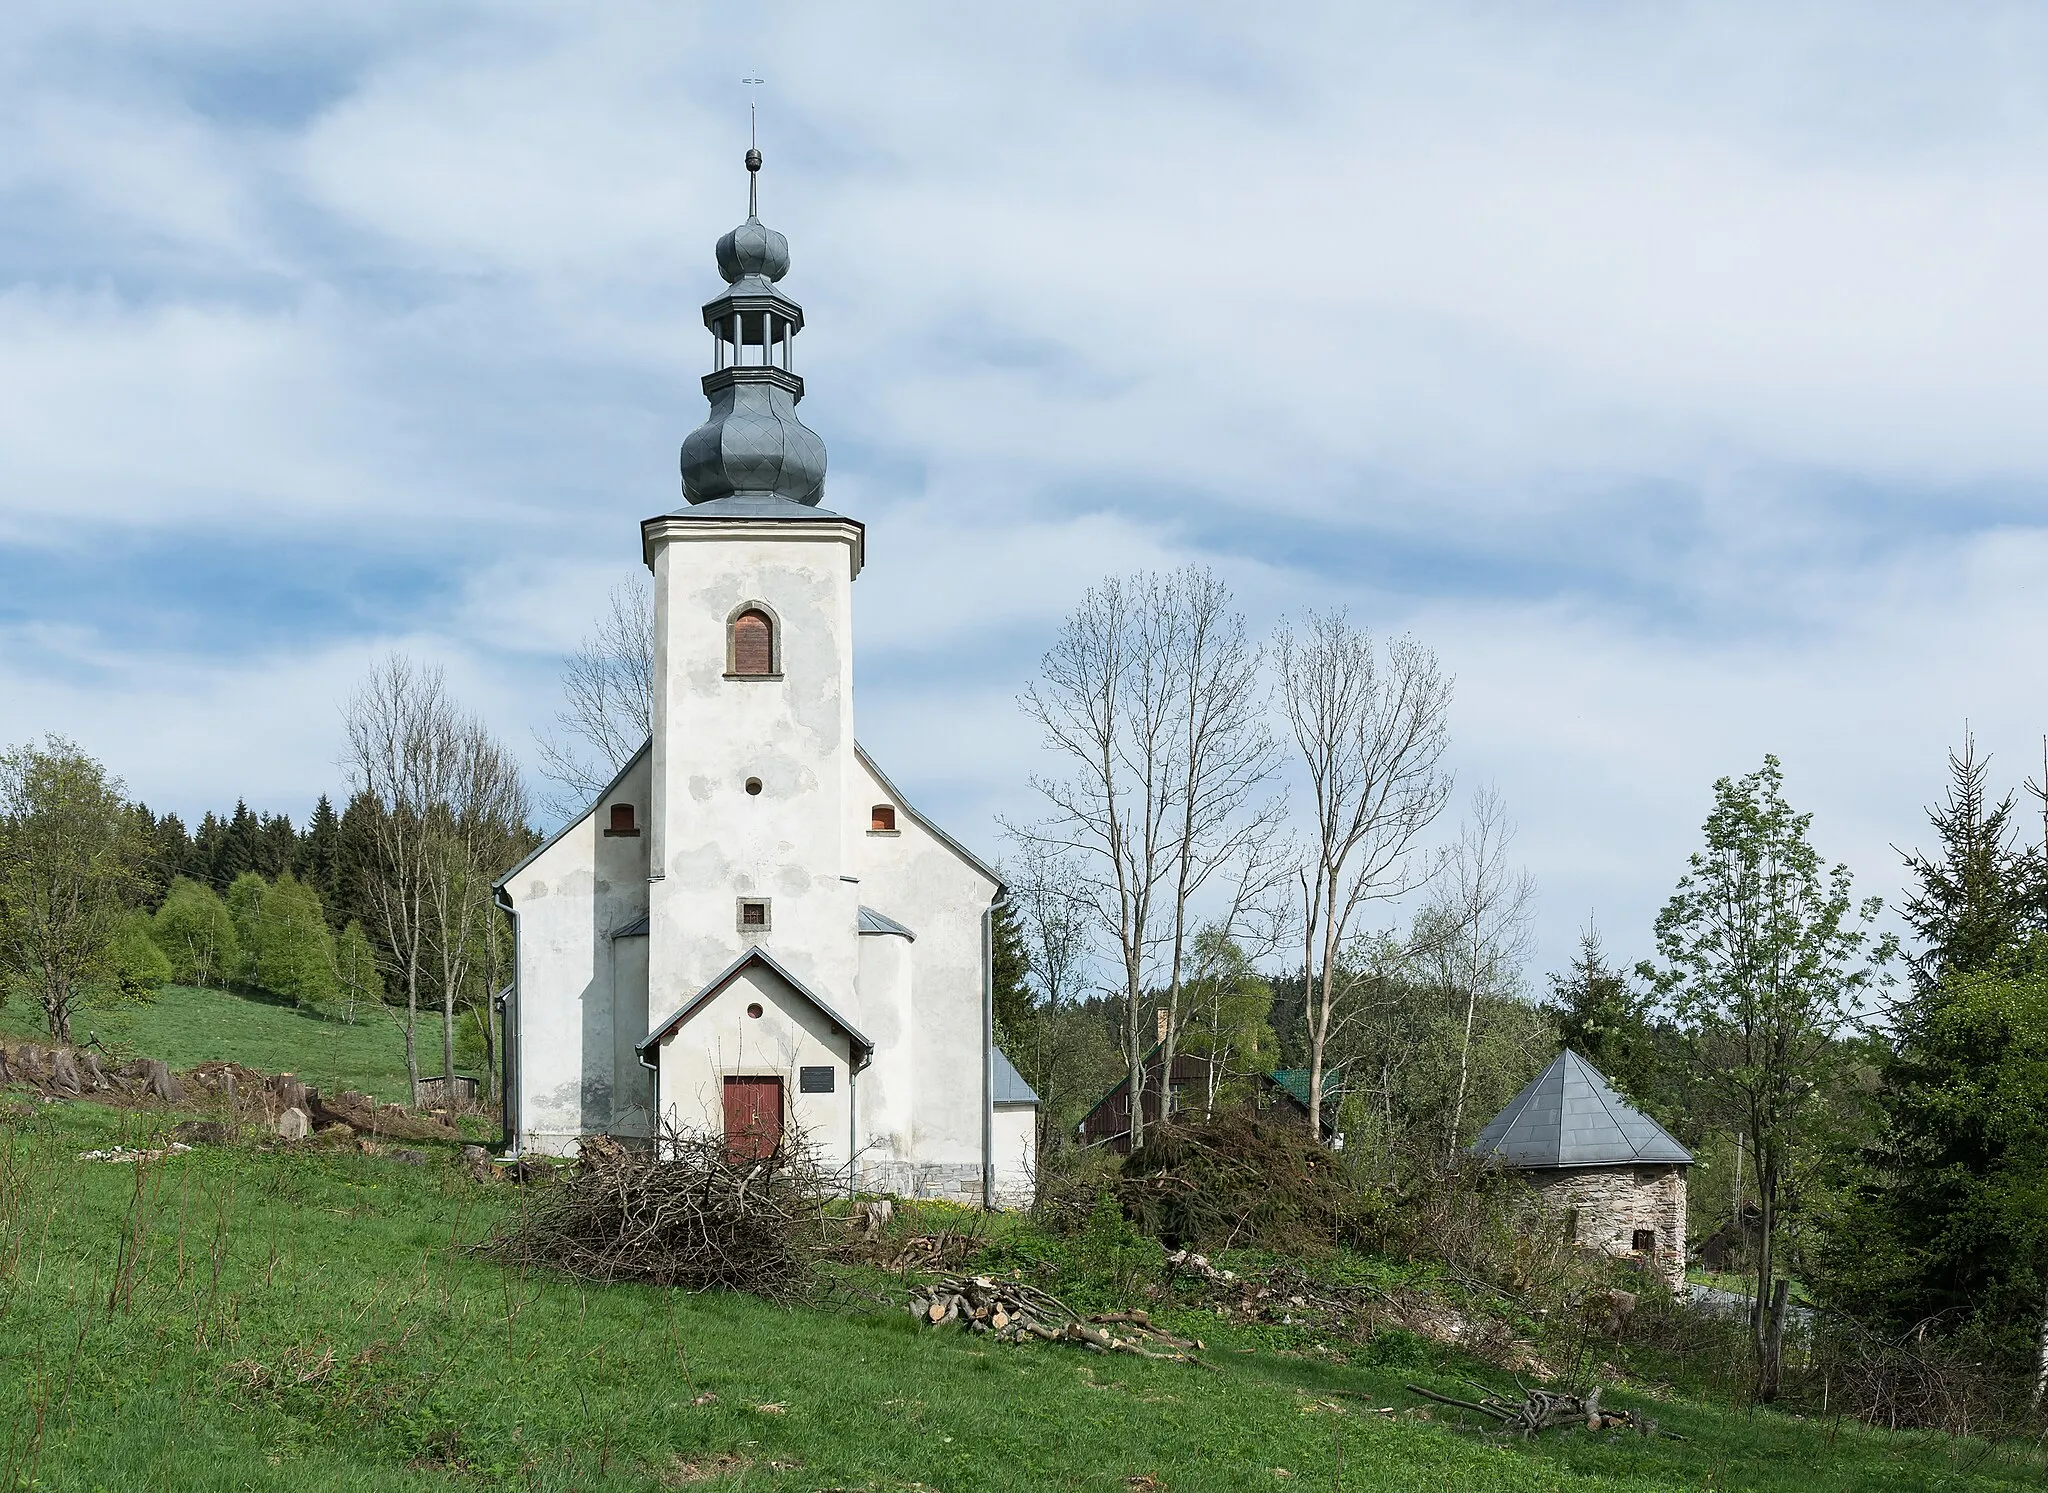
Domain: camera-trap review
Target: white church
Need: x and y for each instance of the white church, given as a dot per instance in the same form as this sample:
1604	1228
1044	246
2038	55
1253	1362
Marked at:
752	929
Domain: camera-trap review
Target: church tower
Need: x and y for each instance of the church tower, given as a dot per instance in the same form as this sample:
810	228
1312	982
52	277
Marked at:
752	825
751	931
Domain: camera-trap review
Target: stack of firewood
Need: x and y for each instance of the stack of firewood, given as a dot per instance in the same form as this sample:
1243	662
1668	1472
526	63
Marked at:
1012	1311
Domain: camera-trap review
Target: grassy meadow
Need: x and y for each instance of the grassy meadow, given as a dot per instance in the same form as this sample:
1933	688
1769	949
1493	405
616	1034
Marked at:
184	1025
239	1317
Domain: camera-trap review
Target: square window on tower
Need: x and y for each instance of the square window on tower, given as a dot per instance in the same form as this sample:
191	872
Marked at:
754	915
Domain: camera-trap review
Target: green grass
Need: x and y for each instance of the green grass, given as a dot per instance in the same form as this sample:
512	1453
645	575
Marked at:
184	1026
241	1318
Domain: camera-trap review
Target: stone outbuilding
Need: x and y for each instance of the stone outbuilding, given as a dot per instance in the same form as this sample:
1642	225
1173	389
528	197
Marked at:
1615	1174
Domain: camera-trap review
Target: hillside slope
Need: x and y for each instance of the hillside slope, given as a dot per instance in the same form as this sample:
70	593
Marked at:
239	1317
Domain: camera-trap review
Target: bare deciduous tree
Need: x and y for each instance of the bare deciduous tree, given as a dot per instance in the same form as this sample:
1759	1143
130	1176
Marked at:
1474	932
1372	734
1056	919
477	833
1151	694
608	700
1224	755
448	800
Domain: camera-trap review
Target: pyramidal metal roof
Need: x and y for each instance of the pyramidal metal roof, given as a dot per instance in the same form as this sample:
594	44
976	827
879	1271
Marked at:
1569	1115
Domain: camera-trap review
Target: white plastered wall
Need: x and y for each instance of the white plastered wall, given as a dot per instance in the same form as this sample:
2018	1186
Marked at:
886	1117
578	986
713	843
719	1040
1016	1154
922	882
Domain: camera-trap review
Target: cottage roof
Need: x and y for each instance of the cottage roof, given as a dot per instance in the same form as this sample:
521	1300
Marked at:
1569	1115
1010	1086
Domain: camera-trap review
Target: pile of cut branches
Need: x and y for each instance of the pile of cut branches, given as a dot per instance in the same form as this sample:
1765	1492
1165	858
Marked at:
687	1212
1542	1410
1240	1180
1012	1311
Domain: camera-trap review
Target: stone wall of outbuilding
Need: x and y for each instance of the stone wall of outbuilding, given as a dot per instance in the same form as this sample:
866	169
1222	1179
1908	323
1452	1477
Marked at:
1610	1203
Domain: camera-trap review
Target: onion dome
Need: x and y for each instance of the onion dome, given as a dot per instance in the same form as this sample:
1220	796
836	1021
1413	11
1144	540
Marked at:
753	445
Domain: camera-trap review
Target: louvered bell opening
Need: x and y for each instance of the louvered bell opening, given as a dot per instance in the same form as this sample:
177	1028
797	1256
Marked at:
753	644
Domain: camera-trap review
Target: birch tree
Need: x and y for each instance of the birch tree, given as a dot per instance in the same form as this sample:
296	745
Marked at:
1150	697
1474	932
1224	755
447	798
1765	963
1372	729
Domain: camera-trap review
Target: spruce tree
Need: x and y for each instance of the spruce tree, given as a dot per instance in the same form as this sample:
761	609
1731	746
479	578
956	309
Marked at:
206	843
277	845
1974	899
355	862
1011	968
170	855
317	860
1603	1017
236	852
1928	1233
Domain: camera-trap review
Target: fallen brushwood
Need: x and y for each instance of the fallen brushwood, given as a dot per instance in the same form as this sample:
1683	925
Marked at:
688	1211
1541	1410
1012	1312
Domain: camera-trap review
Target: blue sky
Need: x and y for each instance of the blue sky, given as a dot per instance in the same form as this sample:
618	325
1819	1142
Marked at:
1677	375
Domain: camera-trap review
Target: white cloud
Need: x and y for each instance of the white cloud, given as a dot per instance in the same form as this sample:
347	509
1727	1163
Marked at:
1679	379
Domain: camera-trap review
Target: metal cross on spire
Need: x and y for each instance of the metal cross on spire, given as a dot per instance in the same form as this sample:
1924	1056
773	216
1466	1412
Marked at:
753	146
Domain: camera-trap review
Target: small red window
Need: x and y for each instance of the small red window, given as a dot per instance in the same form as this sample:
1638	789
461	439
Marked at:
622	816
882	819
753	643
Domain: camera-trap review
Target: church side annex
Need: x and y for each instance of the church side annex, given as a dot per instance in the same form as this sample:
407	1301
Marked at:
751	928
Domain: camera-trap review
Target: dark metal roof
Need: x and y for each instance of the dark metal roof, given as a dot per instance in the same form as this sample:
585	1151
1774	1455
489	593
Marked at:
863	1048
875	922
753	444
1010	1086
1569	1115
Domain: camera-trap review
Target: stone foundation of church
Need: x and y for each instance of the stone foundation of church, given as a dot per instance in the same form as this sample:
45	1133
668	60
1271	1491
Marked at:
1610	1204
952	1182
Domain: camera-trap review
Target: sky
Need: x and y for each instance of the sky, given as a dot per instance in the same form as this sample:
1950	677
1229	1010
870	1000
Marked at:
1677	375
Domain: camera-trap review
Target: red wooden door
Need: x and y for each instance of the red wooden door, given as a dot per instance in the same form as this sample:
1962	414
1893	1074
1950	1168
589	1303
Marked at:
753	1115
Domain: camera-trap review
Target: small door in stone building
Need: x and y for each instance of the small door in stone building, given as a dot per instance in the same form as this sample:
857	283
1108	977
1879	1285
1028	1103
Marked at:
753	1115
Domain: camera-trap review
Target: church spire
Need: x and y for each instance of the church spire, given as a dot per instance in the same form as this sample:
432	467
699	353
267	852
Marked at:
753	445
